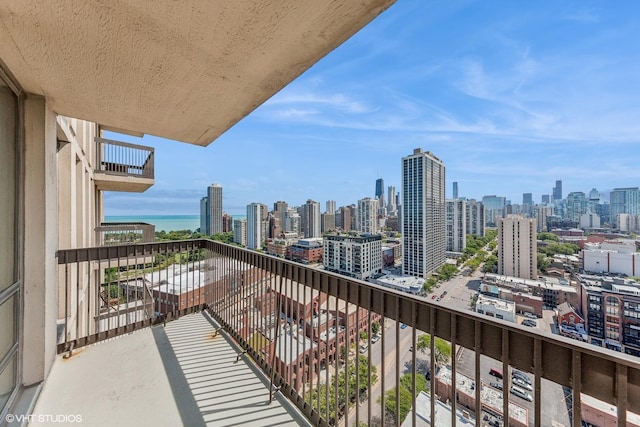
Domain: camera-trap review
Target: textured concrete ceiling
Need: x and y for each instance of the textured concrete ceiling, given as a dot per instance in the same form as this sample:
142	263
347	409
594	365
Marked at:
186	70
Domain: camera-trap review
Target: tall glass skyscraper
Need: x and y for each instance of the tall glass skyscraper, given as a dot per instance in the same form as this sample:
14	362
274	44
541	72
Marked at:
423	213
380	193
211	211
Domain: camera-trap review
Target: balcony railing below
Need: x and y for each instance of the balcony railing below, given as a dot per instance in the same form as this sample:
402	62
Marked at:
122	233
123	166
347	352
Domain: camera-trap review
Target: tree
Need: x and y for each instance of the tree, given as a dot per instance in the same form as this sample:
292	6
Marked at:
364	335
430	283
375	328
447	271
547	236
543	262
405	396
442	348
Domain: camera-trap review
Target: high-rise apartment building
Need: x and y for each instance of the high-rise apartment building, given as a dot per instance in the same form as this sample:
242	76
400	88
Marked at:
227	223
348	217
542	214
392	208
331	207
280	210
624	200
254	226
557	191
211	207
517	247
292	222
423	213
367	215
311	220
475	218
576	205
456	225
455	190
328	222
544	199
240	231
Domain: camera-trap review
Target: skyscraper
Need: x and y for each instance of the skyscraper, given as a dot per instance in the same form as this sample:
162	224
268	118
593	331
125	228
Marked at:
240	231
517	247
331	207
254	226
455	190
367	215
391	200
557	191
624	200
527	203
211	211
423	213
311	225
380	195
475	218
456	225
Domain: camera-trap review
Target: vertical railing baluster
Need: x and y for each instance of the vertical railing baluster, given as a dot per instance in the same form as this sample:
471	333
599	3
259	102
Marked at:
621	393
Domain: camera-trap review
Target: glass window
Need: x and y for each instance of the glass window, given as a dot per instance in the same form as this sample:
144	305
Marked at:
7	382
8	119
7	326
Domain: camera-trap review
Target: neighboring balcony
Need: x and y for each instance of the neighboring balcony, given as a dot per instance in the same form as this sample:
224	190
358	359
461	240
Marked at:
122	166
211	334
122	233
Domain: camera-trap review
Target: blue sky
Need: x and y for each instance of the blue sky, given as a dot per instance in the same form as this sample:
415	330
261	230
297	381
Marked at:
509	95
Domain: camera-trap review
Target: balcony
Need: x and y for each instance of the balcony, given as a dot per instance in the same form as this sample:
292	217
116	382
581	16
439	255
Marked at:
121	233
214	334
123	167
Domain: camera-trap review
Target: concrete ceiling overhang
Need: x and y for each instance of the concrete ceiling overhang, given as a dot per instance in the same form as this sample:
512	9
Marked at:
186	70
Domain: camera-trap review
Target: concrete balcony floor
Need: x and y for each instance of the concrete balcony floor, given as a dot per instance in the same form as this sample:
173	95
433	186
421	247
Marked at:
163	376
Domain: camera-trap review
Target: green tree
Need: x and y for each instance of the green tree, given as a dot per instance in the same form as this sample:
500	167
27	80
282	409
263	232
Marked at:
430	283
547	236
405	396
543	262
442	348
375	328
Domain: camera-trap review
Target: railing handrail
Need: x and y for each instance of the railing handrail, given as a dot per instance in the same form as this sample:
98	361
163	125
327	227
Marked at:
125	226
100	140
551	356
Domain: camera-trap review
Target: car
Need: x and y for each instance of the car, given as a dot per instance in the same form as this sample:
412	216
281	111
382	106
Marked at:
496	385
375	339
444	293
402	326
495	372
433	296
522	384
438	299
524	377
411	348
521	393
530	323
530	315
364	348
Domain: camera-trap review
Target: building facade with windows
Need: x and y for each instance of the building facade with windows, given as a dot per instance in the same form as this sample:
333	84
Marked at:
423	213
517	247
456	225
353	256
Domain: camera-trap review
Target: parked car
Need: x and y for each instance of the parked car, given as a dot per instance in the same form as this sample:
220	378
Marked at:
433	296
374	339
530	315
364	348
521	393
530	323
495	372
520	383
402	326
521	375
496	385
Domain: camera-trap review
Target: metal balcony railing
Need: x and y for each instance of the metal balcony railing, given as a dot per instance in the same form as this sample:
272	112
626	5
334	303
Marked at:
122	158
339	348
120	233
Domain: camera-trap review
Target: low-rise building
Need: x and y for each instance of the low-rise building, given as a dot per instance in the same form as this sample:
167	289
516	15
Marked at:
306	251
553	290
494	307
616	257
409	284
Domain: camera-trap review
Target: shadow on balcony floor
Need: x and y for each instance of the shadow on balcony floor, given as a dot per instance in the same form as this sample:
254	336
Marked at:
162	376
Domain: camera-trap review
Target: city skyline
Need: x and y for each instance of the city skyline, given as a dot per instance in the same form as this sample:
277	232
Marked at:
510	101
